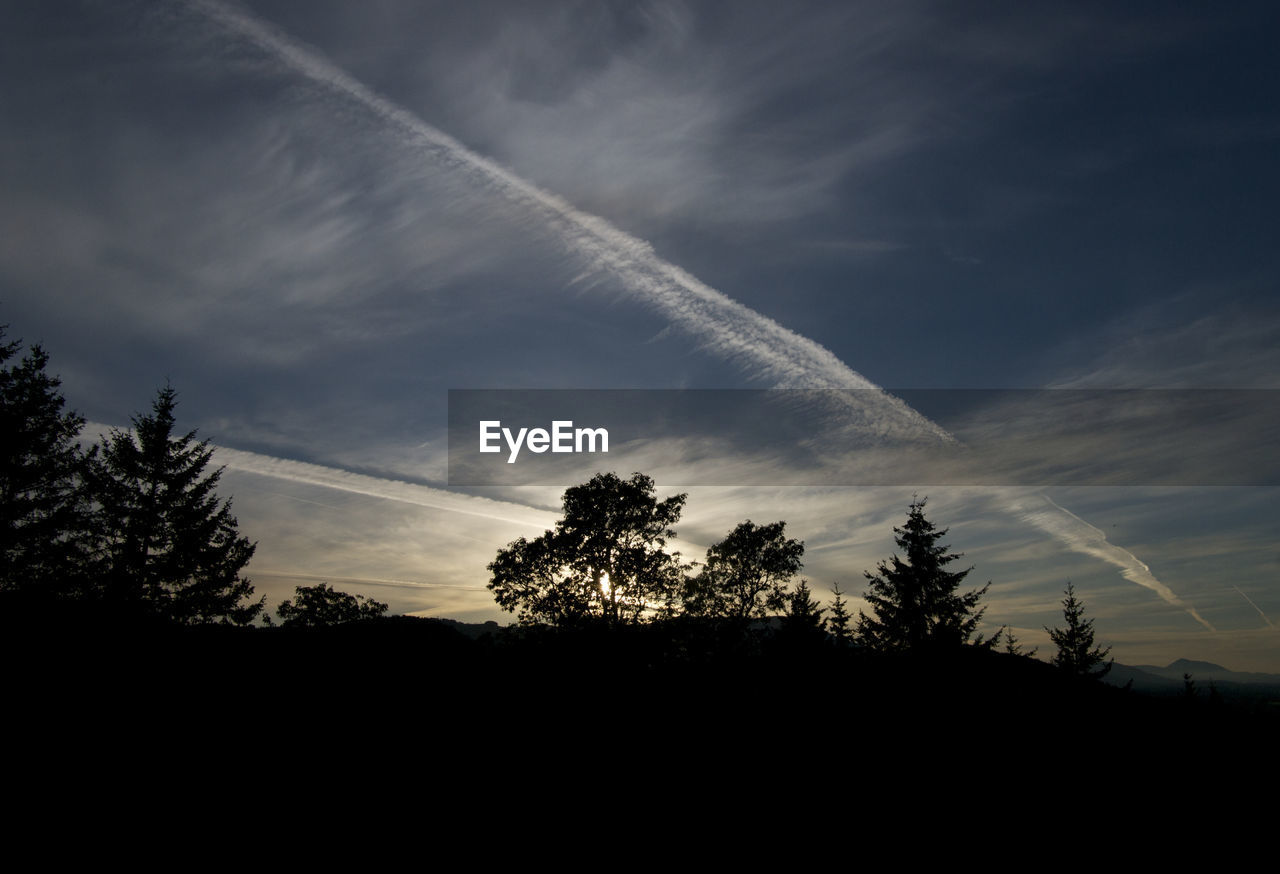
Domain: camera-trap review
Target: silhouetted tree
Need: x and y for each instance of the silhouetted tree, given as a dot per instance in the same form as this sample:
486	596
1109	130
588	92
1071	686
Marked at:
43	511
745	575
1076	653
915	597
604	561
169	547
1013	647
838	623
318	606
802	621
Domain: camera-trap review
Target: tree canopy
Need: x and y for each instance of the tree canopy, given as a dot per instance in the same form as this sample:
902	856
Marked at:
746	574
321	605
170	548
1076	653
605	560
915	598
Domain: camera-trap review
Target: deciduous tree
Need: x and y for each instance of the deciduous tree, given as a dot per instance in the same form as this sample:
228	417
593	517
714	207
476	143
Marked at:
745	575
322	605
605	561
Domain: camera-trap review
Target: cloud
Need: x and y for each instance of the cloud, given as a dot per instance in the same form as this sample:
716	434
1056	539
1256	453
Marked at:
387	489
1080	536
762	348
1254	606
765	350
1190	340
376	487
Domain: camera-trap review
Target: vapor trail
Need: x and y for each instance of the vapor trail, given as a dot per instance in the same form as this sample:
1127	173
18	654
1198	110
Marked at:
1255	607
1082	537
367	581
765	349
341	480
377	487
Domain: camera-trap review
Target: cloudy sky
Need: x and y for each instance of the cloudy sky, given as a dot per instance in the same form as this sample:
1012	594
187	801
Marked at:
317	219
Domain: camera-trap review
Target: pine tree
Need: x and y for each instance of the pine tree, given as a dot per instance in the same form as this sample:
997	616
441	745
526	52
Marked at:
915	597
1076	653
1014	647
838	621
801	627
170	548
43	513
803	613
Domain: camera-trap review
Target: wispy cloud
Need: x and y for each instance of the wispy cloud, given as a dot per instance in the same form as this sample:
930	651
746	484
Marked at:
762	348
1080	536
1189	340
363	581
765	350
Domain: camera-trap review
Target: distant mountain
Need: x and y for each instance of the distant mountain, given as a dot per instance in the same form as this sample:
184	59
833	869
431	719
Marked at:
1203	672
1168	680
1190	666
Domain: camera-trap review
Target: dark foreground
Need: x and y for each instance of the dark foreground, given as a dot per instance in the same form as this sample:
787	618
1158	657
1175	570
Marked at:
680	690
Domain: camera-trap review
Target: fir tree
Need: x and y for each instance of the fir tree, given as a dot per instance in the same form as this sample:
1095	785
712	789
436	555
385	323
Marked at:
801	627
43	513
1076	653
839	621
915	597
803	613
1014	647
170	548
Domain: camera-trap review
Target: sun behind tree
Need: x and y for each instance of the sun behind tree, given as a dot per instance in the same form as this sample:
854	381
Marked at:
605	561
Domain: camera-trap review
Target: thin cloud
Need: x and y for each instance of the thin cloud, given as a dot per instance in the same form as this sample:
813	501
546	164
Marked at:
377	487
763	348
367	581
306	473
1255	607
1079	536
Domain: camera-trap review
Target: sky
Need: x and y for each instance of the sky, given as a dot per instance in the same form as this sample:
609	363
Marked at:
315	220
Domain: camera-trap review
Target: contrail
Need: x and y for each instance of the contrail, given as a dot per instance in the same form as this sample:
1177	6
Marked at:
1255	607
387	489
307	473
766	350
371	581
1080	536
